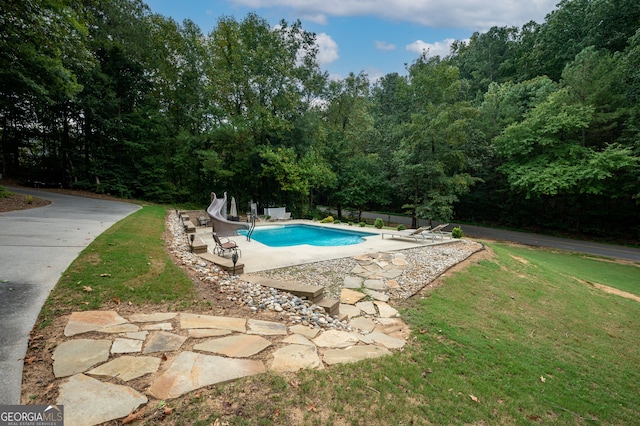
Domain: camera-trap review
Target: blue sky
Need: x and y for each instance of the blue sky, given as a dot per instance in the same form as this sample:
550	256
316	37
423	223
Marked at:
374	36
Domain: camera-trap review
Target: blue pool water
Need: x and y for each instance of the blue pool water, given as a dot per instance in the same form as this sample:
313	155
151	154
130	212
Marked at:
295	235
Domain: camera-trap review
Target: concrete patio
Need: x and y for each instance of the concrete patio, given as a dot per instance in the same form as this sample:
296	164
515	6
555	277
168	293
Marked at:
259	257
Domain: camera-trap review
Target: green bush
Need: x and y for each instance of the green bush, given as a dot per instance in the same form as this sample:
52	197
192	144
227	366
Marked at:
362	224
29	199
328	219
350	224
457	232
336	222
401	227
4	193
378	223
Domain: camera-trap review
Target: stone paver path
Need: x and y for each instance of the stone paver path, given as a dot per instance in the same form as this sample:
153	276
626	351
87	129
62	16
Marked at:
165	355
170	354
92	401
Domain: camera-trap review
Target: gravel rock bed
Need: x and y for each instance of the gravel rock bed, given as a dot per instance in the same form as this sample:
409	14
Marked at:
423	265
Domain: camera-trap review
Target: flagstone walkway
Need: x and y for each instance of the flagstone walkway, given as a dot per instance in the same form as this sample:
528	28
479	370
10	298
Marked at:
170	354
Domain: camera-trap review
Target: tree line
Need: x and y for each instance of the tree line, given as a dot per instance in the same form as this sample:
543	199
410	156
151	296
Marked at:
535	127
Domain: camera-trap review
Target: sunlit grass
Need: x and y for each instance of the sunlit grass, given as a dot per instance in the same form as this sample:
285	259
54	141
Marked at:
125	264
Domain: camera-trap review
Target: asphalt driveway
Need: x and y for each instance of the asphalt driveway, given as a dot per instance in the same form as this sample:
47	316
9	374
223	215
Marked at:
36	247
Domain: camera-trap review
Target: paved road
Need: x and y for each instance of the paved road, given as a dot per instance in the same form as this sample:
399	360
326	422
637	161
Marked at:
536	240
36	247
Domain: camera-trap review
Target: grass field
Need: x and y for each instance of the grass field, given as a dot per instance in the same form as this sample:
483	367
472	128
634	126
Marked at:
522	337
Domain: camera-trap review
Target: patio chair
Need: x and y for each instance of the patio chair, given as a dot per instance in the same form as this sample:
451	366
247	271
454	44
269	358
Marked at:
287	216
416	234
437	232
222	247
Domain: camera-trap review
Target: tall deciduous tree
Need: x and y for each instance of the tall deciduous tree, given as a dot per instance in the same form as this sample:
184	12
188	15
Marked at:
296	176
431	162
42	44
595	78
487	57
546	155
256	81
350	132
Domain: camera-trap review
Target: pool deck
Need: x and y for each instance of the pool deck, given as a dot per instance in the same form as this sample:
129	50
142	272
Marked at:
258	257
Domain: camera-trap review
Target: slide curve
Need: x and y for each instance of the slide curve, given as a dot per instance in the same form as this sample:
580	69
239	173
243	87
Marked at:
217	211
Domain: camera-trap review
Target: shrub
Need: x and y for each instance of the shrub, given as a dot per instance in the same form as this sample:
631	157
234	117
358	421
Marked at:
350	224
457	232
378	223
362	224
4	192
401	227
316	214
336	222
328	219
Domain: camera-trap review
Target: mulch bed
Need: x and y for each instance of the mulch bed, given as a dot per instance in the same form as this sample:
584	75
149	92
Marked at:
21	202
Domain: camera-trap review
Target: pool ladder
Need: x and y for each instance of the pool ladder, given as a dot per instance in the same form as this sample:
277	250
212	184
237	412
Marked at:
252	227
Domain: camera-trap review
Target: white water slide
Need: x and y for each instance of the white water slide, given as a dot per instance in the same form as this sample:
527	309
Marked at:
217	211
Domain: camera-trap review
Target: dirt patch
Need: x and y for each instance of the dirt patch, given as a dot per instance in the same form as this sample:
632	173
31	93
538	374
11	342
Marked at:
618	261
21	202
93	259
617	292
610	290
520	259
156	268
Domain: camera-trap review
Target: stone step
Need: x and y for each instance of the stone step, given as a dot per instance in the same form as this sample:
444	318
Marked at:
189	227
223	262
314	293
330	306
198	246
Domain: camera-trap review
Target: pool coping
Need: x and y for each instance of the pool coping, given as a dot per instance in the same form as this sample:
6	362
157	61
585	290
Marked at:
259	257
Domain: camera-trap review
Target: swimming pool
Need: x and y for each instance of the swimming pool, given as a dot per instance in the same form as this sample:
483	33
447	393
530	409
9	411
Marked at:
295	235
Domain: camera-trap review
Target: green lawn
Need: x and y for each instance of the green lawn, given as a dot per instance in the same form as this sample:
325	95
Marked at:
531	342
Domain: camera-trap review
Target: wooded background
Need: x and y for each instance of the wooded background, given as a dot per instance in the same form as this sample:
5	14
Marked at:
535	127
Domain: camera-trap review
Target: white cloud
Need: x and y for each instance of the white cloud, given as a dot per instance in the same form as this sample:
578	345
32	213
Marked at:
374	75
439	48
327	49
473	14
383	45
318	18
